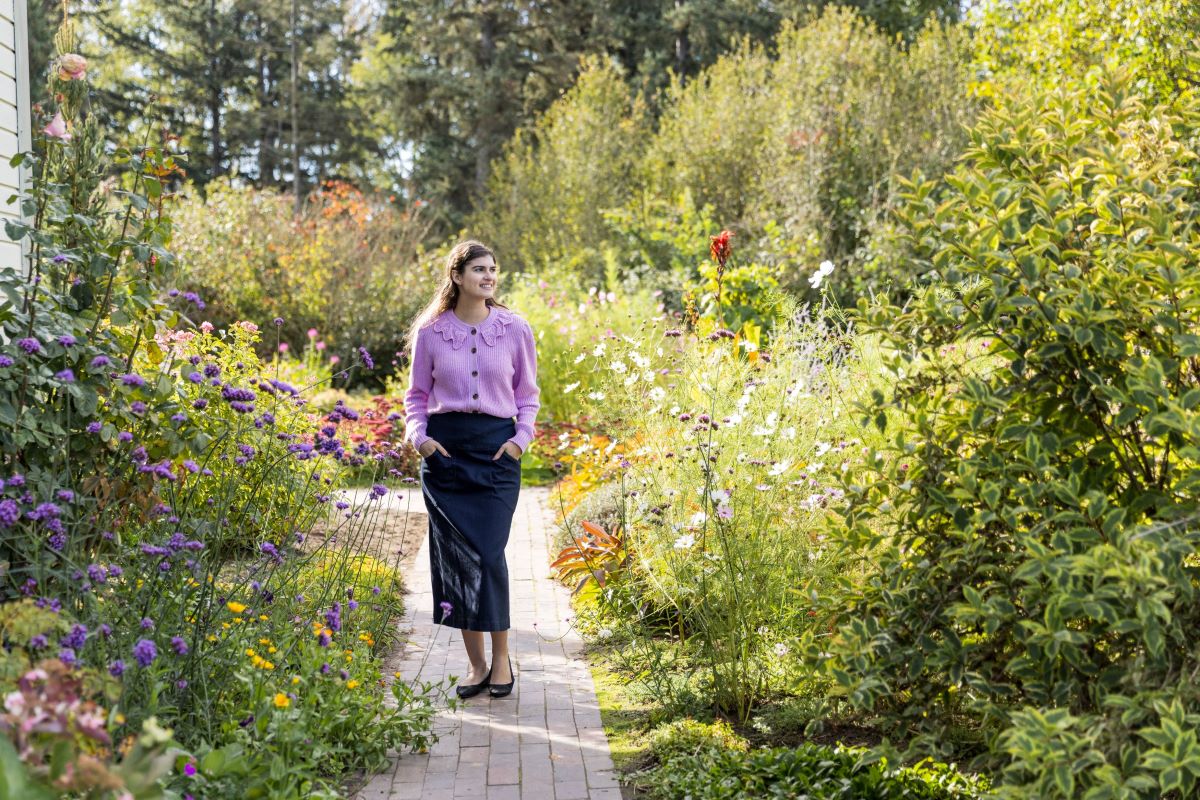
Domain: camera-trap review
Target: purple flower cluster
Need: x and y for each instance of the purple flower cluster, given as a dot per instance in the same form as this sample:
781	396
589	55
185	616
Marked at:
30	345
10	513
333	618
144	652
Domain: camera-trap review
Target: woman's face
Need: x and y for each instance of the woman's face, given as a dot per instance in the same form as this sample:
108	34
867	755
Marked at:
478	278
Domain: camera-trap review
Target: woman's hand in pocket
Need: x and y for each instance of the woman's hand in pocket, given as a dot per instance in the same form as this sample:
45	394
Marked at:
513	451
429	446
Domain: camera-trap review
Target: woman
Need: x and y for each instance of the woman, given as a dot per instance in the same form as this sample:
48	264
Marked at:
474	369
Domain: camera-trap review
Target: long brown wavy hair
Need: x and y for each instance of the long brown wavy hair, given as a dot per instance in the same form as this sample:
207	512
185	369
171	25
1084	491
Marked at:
446	296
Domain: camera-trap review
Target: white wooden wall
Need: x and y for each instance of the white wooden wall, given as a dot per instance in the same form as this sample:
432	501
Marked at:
14	115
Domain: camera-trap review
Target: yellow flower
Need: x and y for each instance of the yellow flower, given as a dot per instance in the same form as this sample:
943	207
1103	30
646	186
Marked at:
396	674
236	608
120	718
282	700
264	640
212	637
271	649
250	652
268	665
351	684
225	625
238	619
263	617
295	679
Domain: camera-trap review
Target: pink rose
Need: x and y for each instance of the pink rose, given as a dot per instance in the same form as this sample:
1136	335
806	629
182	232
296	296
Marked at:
72	67
58	128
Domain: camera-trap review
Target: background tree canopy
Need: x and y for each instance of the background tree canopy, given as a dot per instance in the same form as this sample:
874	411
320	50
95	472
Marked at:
411	97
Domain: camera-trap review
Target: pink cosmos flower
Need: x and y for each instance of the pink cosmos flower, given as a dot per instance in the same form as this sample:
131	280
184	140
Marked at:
58	128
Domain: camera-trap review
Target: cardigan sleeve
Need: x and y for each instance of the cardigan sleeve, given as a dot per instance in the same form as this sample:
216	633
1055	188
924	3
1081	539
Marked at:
416	399
525	388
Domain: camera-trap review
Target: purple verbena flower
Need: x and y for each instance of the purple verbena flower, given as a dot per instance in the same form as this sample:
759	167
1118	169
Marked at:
65	376
94	427
144	652
30	345
133	379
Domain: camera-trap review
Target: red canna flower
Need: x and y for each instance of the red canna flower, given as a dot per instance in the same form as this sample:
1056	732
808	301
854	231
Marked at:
719	248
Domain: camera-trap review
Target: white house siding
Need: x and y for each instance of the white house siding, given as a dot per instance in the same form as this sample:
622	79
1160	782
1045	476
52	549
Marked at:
14	115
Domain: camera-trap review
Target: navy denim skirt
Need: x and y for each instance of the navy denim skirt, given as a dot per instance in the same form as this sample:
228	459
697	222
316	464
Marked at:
470	499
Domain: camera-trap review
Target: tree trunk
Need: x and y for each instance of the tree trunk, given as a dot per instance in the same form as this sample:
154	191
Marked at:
216	97
681	43
488	109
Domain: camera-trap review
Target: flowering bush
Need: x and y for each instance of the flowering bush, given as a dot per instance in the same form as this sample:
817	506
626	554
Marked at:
157	488
349	266
727	458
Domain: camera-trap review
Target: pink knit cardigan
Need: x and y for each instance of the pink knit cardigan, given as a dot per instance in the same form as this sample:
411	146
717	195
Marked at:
489	368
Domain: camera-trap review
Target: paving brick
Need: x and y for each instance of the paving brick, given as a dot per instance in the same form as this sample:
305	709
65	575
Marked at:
543	742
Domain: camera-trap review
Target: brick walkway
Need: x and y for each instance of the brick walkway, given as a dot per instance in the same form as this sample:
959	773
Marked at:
543	742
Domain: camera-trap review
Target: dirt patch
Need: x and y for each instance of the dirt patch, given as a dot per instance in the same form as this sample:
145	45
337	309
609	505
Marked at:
394	535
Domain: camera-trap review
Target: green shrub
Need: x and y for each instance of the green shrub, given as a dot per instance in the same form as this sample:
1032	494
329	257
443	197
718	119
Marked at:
1043	43
685	737
549	191
810	771
350	265
1033	532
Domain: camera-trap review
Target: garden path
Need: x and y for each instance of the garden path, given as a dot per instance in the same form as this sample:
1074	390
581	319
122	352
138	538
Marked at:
545	741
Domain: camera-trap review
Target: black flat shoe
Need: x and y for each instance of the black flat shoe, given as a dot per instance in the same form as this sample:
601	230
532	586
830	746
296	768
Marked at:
475	688
503	689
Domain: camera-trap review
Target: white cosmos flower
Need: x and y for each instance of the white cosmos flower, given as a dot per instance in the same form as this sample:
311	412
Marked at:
618	367
599	349
631	380
780	468
789	433
596	396
822	272
684	542
719	496
698	518
657	394
822	449
640	360
570	387
579	358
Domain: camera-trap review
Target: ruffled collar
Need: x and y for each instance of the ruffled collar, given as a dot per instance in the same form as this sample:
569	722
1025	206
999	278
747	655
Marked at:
455	331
